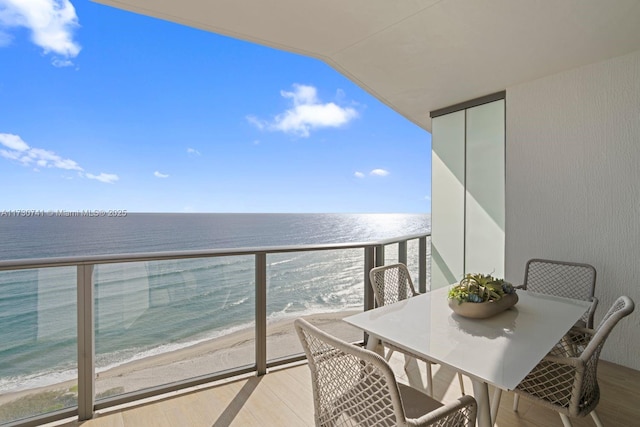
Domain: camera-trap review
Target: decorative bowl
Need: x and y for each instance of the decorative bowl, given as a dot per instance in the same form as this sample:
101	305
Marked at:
480	296
483	310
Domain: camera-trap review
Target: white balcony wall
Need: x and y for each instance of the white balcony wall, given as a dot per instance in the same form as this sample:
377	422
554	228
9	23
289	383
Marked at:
573	182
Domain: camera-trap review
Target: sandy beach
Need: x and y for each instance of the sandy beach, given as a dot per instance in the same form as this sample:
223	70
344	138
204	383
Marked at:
230	351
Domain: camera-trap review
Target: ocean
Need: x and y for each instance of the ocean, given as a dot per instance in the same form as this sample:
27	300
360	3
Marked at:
193	300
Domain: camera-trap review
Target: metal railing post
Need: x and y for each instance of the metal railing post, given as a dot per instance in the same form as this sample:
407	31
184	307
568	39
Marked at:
261	313
402	252
369	263
379	255
86	342
422	265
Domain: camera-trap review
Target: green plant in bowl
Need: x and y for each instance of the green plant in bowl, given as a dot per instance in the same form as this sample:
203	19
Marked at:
477	287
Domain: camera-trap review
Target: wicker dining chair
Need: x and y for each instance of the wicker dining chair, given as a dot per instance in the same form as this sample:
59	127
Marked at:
564	279
566	379
353	386
392	283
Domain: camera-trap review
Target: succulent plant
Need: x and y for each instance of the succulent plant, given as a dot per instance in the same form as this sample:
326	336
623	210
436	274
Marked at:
479	287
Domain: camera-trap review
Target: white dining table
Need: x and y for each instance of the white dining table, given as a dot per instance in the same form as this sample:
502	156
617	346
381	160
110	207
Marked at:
498	351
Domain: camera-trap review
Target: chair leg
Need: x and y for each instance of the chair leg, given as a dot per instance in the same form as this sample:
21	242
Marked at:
516	399
429	380
596	419
461	383
566	422
388	356
407	359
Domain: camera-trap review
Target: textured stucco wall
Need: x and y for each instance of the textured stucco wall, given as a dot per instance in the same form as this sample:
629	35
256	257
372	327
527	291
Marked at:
573	182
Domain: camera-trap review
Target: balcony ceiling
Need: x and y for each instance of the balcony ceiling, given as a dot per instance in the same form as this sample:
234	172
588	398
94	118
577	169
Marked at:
421	55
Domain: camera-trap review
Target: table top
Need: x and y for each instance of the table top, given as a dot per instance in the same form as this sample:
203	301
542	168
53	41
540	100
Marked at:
500	350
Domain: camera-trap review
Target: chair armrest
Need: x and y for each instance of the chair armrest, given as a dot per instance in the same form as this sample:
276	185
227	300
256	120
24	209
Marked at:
560	360
460	412
578	330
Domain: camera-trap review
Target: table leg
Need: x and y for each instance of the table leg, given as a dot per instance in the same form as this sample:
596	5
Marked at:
372	344
495	404
481	394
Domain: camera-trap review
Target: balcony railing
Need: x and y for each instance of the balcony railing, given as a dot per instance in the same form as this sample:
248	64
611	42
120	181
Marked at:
86	297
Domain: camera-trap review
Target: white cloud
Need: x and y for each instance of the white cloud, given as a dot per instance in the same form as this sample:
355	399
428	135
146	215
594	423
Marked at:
46	158
307	113
18	150
108	178
379	172
260	124
51	23
11	155
193	152
358	175
160	175
61	63
13	142
303	95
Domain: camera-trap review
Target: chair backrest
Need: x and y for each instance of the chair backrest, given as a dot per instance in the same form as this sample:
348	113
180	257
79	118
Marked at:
391	283
564	279
357	387
589	391
571	381
351	386
621	308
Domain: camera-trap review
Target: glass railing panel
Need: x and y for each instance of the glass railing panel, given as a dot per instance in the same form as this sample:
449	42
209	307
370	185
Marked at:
159	322
321	286
391	256
391	253
38	342
413	259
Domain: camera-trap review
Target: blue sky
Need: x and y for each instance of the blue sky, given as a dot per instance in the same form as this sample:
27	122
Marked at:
105	109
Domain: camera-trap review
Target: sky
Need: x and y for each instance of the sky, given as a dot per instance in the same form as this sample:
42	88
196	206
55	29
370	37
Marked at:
103	109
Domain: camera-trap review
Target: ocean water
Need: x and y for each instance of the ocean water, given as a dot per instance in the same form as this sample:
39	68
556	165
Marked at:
147	308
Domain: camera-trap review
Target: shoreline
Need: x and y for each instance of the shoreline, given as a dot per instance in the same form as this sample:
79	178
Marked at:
214	355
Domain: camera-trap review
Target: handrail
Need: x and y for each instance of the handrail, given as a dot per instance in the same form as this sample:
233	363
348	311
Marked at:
373	256
29	263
